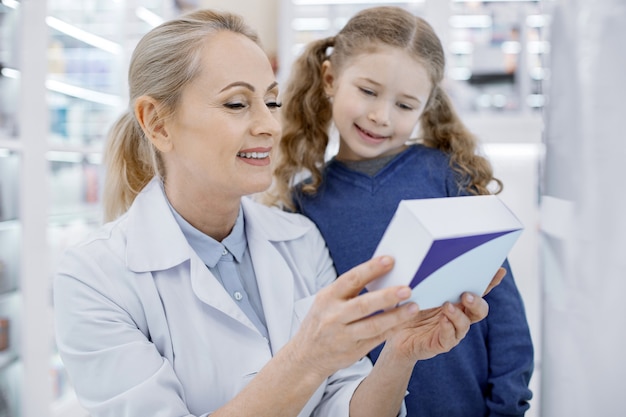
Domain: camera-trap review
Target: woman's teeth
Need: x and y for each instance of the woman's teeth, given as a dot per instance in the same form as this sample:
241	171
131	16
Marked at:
253	155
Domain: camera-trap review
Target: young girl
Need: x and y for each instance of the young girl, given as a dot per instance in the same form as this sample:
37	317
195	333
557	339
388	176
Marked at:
378	80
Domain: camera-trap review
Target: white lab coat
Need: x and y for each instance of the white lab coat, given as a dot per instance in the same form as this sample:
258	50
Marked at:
145	329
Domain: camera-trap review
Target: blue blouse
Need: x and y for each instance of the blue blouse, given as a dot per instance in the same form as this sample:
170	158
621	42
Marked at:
230	262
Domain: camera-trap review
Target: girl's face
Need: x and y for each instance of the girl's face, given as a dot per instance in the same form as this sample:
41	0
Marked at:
378	98
226	124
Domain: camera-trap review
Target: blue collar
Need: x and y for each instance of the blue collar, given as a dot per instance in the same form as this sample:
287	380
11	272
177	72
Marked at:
209	249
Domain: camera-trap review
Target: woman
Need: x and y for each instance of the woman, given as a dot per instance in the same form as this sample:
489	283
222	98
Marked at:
198	301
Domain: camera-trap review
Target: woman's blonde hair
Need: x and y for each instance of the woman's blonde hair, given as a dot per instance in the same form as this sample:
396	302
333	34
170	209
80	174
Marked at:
307	112
164	61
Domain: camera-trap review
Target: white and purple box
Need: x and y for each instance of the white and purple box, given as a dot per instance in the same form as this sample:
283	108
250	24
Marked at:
446	246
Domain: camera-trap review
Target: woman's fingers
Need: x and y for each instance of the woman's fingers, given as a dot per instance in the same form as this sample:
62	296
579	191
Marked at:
472	310
376	327
474	307
459	321
351	283
343	324
369	303
357	306
365	316
349	323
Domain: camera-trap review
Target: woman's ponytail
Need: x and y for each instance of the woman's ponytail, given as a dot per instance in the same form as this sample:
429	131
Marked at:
130	163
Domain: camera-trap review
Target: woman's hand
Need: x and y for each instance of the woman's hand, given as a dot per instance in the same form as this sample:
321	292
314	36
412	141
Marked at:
437	330
341	326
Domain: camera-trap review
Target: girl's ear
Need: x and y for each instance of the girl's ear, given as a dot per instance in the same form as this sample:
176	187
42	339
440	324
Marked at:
153	126
328	78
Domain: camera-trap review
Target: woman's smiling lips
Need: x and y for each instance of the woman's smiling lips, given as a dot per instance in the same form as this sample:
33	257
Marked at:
255	156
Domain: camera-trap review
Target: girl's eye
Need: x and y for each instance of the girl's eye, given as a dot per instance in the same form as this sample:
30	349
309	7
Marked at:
367	92
404	106
273	104
235	105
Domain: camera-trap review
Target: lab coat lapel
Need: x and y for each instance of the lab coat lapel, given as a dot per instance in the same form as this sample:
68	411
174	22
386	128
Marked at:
164	248
266	229
208	289
275	281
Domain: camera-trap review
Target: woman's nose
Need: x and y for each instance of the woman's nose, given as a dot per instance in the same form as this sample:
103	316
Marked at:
266	123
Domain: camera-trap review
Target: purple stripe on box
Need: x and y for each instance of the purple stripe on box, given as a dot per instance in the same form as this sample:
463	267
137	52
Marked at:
443	251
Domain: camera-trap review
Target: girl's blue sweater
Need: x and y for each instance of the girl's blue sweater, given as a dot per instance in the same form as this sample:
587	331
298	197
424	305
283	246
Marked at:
488	373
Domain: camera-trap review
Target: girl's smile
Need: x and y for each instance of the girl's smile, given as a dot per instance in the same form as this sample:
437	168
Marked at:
376	106
369	136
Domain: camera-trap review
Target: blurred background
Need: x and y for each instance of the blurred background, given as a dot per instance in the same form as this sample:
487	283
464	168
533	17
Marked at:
540	82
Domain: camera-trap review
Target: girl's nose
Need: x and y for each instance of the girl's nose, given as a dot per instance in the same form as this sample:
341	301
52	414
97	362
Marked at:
379	114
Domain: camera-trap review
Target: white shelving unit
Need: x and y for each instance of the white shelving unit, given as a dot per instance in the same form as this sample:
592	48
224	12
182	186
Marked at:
497	54
302	21
496	49
63	67
12	331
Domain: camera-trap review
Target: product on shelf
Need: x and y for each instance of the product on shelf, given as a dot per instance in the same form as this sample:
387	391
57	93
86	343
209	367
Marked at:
4	334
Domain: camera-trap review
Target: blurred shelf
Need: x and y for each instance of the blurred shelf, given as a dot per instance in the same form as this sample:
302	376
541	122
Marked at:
7	358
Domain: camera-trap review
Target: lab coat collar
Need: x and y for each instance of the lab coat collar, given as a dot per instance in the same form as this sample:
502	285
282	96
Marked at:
274	275
155	241
269	224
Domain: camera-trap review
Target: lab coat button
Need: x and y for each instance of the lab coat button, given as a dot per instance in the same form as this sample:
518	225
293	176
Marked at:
224	252
238	296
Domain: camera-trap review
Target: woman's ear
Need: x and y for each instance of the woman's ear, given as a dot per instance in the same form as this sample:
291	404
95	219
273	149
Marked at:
328	78
153	126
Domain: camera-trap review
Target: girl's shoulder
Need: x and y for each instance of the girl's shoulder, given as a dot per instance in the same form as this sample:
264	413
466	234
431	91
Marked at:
424	151
423	156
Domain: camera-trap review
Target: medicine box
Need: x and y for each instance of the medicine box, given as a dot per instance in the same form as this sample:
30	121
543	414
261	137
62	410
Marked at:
446	246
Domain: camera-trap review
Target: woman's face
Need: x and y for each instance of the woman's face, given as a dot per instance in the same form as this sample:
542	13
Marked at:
226	124
378	99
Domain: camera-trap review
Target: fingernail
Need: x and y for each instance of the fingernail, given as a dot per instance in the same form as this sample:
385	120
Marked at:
413	308
404	292
450	307
470	298
385	260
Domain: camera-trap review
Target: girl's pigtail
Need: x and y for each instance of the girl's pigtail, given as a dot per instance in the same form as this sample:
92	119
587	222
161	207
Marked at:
306	115
443	129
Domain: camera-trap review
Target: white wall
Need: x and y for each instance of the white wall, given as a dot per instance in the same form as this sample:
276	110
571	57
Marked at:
260	14
583	206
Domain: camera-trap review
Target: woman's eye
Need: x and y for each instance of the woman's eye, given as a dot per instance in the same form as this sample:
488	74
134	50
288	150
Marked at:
273	104
235	105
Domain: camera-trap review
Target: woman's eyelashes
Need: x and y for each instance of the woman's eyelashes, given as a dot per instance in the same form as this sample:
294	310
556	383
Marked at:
238	105
272	105
235	105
